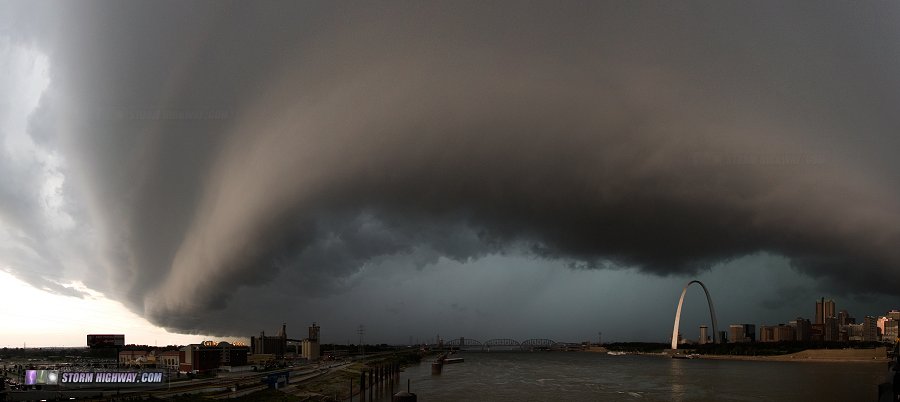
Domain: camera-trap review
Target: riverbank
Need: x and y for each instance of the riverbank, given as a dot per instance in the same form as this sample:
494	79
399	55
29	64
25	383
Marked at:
875	355
551	376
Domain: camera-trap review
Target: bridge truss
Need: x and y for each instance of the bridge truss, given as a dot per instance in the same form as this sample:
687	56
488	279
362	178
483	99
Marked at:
508	344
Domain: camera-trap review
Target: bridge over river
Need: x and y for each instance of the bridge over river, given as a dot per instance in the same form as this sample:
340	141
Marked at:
507	344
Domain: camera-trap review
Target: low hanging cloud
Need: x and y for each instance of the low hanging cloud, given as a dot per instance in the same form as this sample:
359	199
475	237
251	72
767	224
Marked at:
218	148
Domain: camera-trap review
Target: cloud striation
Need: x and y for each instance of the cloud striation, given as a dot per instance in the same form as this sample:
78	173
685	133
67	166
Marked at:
217	147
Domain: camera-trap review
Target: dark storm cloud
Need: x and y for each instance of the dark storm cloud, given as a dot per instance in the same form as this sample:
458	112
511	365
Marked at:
219	146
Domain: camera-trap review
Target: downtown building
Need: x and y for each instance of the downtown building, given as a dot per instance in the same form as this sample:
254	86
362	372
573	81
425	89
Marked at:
777	333
824	309
802	329
827	326
891	331
870	329
742	333
855	332
889	326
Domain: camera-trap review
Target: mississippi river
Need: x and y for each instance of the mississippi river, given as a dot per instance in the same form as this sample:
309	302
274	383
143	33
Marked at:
572	376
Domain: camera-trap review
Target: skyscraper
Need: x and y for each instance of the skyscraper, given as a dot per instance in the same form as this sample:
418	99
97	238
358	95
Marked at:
742	333
802	329
824	309
777	333
844	318
891	331
832	329
703	335
870	329
736	333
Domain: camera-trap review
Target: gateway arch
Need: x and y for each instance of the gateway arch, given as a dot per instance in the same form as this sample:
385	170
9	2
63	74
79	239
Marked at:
712	314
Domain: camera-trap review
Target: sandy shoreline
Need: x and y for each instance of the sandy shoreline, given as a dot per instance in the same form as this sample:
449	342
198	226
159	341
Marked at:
789	358
876	355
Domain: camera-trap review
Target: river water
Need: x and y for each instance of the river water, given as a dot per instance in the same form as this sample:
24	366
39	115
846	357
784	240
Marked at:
572	376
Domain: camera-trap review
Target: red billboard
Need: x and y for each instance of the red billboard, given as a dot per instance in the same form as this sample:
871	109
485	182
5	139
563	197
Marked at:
105	341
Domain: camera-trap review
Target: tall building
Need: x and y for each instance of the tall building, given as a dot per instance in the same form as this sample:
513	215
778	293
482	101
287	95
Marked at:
832	329
802	329
776	333
844	333
750	332
891	331
880	324
824	309
817	332
704	337
735	333
742	333
855	332
870	329
844	318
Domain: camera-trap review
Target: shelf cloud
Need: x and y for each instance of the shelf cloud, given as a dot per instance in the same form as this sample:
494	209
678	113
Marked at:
209	149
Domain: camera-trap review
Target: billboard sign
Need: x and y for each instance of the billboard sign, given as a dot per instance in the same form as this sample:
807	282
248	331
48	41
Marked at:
105	341
89	378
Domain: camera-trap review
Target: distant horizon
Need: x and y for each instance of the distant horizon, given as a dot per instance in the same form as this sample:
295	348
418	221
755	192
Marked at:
693	310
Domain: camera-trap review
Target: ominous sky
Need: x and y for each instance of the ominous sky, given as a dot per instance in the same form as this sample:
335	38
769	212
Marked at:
508	169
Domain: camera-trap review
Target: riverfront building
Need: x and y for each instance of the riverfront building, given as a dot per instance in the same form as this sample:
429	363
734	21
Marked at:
742	333
776	333
891	331
832	329
824	309
870	329
802	329
855	332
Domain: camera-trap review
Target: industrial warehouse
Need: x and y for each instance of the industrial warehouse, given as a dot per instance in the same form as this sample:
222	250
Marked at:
109	366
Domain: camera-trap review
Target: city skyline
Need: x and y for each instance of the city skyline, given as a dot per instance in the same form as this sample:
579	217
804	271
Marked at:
146	334
481	170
